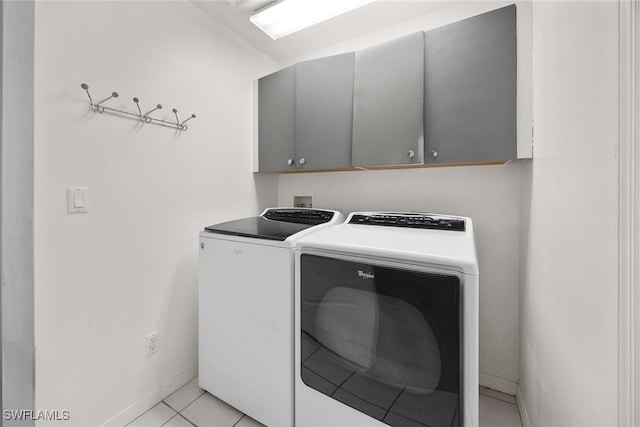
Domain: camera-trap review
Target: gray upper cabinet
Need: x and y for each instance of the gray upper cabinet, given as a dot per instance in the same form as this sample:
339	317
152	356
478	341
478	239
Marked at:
324	112
388	103
276	120
447	95
470	89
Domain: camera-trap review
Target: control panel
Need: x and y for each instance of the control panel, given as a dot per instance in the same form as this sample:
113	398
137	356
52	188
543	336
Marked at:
302	216
409	220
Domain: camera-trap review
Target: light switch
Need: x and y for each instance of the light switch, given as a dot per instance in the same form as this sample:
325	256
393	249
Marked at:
77	200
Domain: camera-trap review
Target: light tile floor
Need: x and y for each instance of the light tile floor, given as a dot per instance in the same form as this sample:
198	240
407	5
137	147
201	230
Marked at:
498	409
191	406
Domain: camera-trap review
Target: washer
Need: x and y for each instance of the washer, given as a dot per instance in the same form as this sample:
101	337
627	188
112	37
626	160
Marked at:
386	322
246	309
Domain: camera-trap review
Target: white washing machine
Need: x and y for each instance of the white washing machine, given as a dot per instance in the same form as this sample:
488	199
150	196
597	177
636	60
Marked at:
386	323
246	310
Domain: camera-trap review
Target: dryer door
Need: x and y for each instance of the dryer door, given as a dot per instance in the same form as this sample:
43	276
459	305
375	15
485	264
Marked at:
384	341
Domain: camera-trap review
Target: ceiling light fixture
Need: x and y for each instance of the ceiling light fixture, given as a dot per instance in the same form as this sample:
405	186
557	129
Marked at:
284	17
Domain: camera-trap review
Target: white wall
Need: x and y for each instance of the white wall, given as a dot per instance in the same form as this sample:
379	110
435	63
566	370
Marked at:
569	305
105	279
487	194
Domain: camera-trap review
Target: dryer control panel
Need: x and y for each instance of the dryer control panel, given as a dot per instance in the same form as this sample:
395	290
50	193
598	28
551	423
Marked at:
409	220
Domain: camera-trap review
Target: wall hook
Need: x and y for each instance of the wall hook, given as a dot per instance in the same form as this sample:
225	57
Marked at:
182	125
148	119
99	105
137	101
86	89
145	118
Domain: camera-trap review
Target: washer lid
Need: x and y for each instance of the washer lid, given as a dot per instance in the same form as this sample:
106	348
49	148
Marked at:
273	224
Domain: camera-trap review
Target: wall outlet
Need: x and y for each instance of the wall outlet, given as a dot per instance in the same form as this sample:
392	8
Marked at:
303	201
152	343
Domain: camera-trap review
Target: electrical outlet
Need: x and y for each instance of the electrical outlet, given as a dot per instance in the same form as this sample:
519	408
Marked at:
152	343
303	201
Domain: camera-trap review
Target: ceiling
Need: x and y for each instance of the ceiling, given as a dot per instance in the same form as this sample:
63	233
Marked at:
234	15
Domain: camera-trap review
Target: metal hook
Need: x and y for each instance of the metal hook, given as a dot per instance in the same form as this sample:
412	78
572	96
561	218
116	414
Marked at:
147	119
86	89
113	95
99	108
182	125
137	101
177	119
193	116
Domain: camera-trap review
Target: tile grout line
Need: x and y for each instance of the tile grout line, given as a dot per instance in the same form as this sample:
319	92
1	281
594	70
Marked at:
187	420
167	422
500	400
170	418
498	395
149	410
188	404
185	417
169	406
236	423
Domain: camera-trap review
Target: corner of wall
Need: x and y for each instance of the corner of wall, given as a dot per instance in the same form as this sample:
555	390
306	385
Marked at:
522	408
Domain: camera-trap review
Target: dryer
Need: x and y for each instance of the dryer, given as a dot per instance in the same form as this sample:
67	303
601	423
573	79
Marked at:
386	322
246	309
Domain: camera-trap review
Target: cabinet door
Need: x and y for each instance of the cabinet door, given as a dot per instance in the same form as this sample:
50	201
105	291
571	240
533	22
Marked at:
388	104
324	112
470	89
276	120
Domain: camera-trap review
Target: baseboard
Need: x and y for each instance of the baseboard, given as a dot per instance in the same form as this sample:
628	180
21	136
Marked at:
523	409
497	383
135	410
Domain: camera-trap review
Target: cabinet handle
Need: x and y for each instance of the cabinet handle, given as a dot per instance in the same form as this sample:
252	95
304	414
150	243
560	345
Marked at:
302	161
411	154
434	154
290	162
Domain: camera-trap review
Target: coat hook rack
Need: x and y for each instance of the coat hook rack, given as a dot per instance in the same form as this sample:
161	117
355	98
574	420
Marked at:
145	118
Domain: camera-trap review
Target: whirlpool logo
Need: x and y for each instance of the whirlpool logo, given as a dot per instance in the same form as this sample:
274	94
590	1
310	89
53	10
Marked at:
366	275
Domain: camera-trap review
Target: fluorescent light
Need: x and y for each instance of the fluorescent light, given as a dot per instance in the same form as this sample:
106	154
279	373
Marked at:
284	17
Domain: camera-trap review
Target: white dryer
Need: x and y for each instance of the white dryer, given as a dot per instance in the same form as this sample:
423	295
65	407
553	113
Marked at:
246	310
386	323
